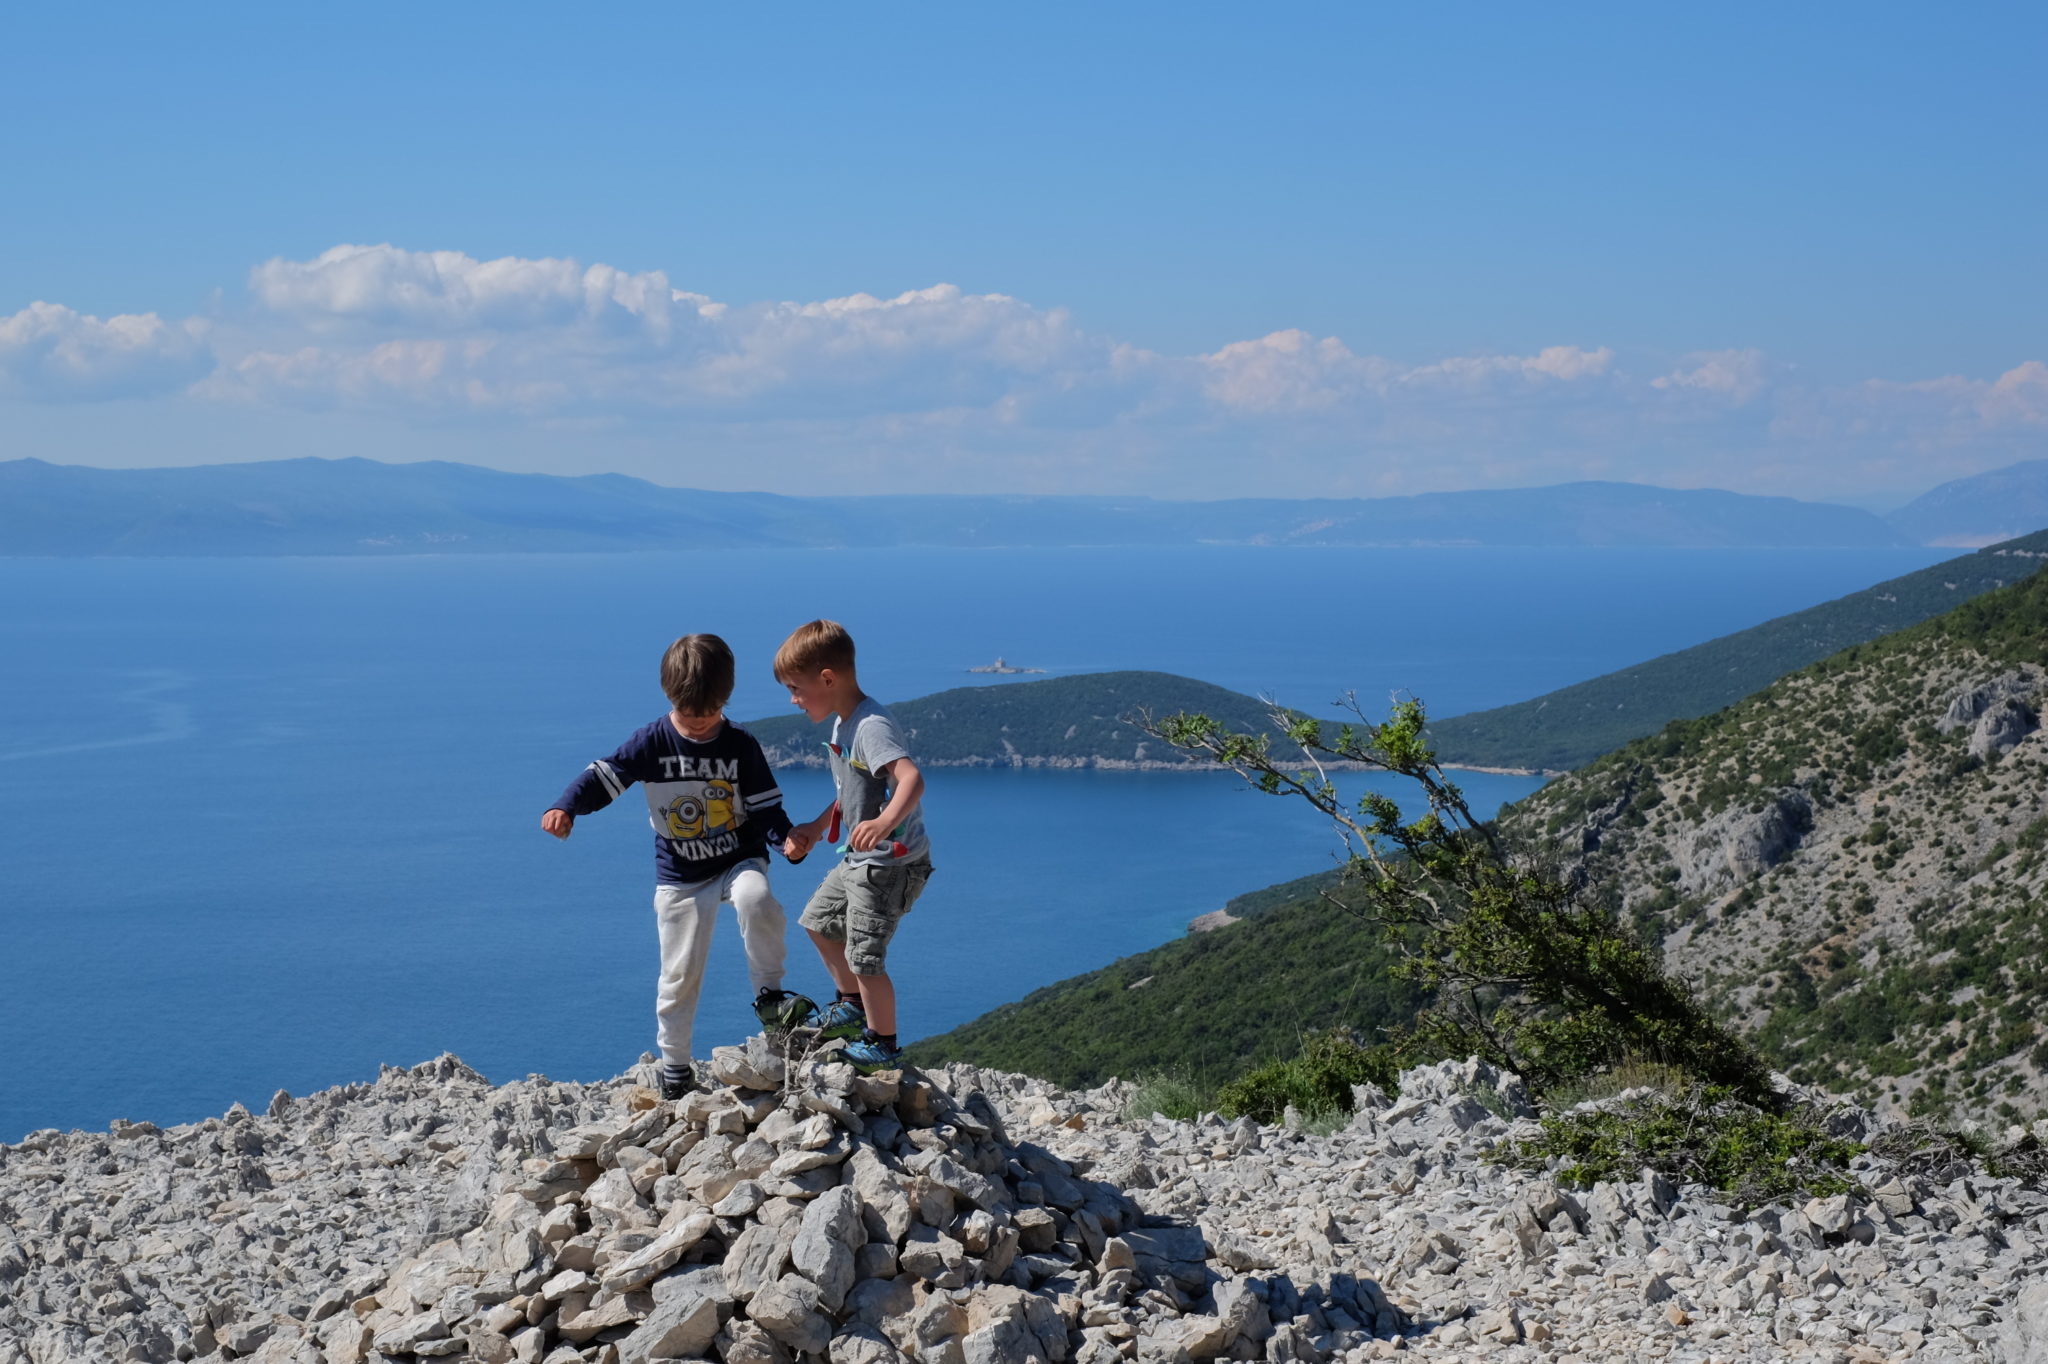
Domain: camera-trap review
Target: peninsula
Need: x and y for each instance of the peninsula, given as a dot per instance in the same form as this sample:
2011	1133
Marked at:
1081	721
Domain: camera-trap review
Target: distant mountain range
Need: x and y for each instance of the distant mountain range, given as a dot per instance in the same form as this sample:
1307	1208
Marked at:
1980	510
360	506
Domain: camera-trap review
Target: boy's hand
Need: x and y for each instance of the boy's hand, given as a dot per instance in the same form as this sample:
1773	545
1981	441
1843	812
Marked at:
558	822
868	835
802	838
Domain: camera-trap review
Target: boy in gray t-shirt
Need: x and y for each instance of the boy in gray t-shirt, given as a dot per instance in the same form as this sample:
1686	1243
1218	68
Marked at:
887	858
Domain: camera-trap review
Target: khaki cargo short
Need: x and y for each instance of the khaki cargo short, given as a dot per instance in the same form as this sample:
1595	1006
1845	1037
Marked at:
859	904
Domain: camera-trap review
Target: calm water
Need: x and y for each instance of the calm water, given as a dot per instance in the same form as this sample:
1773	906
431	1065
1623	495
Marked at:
272	822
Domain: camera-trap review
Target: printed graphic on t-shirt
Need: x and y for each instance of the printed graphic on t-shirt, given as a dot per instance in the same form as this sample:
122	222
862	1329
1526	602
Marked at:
701	817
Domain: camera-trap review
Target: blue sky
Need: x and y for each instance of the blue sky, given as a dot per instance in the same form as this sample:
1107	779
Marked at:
1191	250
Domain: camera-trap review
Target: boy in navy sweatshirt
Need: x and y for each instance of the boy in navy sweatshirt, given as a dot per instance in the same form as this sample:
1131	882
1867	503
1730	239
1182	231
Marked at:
715	809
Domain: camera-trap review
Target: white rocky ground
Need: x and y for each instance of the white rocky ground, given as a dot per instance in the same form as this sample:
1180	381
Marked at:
961	1217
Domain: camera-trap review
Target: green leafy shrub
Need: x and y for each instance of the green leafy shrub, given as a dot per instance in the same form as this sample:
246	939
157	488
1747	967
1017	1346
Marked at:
1702	1136
1633	1072
1316	1082
1523	969
1168	1096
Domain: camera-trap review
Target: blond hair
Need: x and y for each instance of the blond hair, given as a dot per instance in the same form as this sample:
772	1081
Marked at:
812	648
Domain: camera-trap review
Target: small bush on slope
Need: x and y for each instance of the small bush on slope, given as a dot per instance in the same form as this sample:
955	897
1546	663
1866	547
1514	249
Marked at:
1315	1083
1704	1136
1527	972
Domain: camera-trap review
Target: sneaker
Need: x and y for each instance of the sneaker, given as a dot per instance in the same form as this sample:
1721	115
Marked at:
675	1087
784	1010
868	1056
842	1018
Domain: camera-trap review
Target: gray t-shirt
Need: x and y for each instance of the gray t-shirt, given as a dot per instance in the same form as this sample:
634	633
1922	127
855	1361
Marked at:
863	744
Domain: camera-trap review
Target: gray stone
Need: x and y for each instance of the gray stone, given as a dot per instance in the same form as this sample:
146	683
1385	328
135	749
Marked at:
860	1343
742	1342
1830	1216
1036	1230
933	1256
404	1338
1502	1324
743	1200
682	1324
642	1167
664	1251
885	1201
1742	841
788	1309
1178	1253
2023	1335
736	1066
1660	1193
959	1180
759	1257
829	1233
2001	728
875	1260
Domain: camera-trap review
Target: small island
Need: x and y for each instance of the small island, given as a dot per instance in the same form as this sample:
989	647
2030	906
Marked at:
999	666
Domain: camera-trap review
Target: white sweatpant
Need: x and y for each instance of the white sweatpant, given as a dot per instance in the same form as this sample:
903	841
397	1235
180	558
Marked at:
684	917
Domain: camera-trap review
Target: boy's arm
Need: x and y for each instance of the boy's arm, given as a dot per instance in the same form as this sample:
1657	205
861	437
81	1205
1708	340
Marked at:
909	783
804	837
760	797
595	787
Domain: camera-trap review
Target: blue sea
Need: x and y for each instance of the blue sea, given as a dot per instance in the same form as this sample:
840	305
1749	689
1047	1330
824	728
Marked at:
267	823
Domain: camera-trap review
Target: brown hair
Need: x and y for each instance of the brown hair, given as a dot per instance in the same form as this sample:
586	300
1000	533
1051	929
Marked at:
811	648
696	674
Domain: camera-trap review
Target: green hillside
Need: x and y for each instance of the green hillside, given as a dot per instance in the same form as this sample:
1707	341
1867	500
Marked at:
1201	1006
1847	865
1574	725
1080	721
1838	863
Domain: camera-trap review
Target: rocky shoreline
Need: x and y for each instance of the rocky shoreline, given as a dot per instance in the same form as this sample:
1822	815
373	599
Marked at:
796	1211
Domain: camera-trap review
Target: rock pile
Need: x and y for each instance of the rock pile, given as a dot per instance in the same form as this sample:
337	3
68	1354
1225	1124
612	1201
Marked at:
800	1210
210	1239
797	1211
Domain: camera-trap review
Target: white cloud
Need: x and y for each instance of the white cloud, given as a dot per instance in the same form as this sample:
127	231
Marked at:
447	290
1950	412
50	353
1515	373
984	386
395	328
1734	375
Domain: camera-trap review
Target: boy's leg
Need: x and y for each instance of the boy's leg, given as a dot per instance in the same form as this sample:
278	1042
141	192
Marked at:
824	918
684	917
876	901
762	925
878	1001
833	953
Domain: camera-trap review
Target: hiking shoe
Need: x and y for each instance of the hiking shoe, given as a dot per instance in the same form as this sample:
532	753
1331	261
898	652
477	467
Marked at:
842	1018
868	1056
675	1087
784	1010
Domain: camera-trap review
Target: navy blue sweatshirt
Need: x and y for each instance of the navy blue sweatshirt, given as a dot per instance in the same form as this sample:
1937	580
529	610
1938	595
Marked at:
713	805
